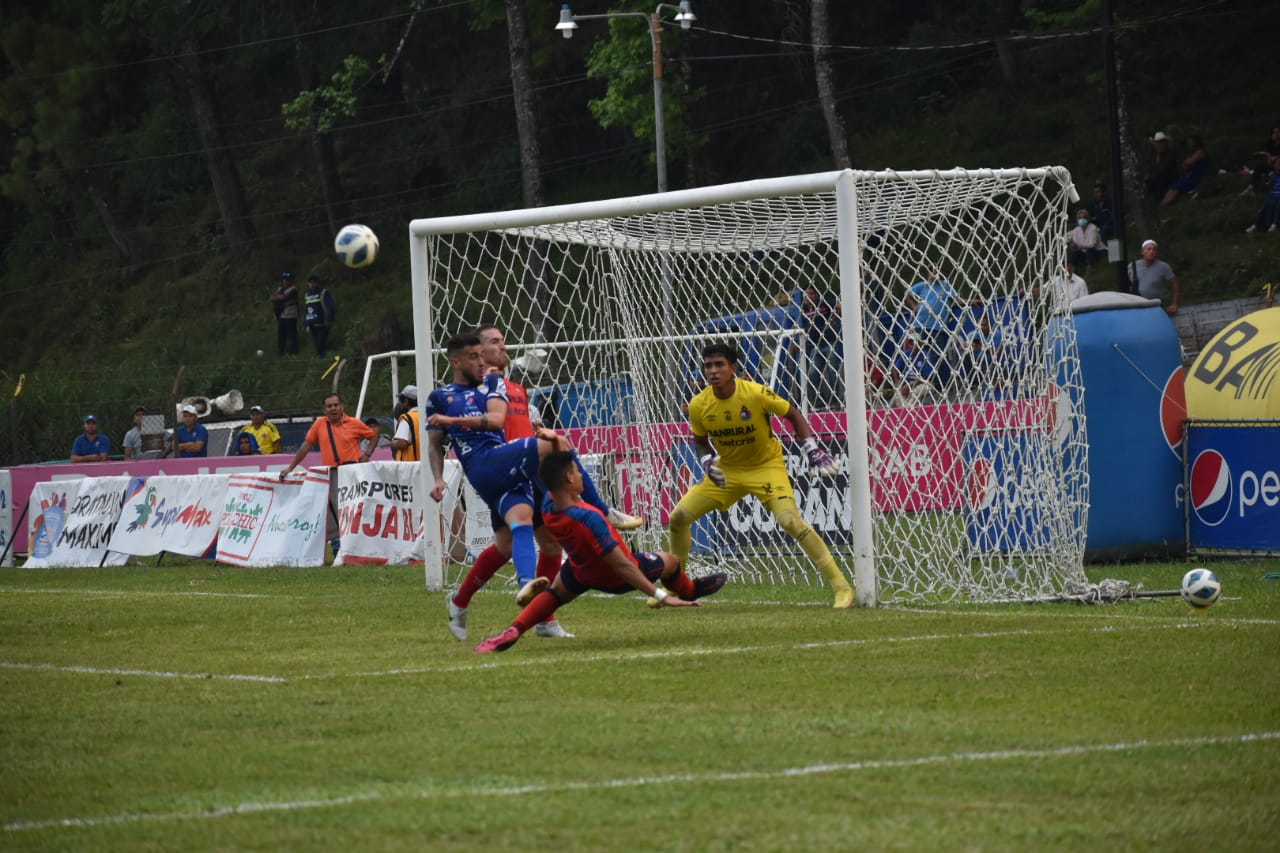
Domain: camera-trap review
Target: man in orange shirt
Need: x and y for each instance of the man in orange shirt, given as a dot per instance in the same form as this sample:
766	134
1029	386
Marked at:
338	435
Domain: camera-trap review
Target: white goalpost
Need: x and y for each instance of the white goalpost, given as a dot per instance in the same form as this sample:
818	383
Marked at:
948	380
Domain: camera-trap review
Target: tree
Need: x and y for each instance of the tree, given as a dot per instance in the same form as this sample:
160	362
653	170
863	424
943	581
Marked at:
825	78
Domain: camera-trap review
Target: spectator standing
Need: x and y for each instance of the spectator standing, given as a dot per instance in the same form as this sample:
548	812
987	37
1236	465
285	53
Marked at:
1100	213
1194	168
1265	163
320	314
92	445
285	303
264	432
1086	247
932	300
820	319
1164	168
1154	278
337	435
405	446
1269	217
190	438
133	438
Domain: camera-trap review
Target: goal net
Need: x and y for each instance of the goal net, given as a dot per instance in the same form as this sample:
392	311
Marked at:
918	319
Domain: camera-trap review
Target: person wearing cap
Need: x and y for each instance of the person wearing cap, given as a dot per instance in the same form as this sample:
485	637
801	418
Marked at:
338	436
1164	168
190	438
319	315
408	427
284	301
133	438
264	432
1150	275
92	446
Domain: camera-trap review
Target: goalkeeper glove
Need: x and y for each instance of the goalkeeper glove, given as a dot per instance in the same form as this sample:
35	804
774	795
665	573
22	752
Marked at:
821	463
712	471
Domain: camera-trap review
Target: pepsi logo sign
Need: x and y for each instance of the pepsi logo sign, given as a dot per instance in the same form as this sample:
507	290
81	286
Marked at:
1210	488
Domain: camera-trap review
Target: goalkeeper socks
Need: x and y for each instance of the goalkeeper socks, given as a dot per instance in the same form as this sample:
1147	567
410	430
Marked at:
523	552
537	611
549	565
486	566
589	492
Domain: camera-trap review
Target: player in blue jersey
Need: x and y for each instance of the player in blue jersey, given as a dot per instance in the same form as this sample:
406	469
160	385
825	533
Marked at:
470	413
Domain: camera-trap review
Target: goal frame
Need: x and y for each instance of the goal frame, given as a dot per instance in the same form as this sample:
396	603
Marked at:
842	183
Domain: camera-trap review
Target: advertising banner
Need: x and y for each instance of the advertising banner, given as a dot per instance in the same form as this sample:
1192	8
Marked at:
70	523
179	515
1233	485
6	518
1007	490
265	522
377	521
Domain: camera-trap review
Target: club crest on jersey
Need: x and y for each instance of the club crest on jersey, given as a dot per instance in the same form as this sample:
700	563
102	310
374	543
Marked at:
745	414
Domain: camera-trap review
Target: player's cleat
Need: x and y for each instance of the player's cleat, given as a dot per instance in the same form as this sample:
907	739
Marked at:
500	643
552	628
844	598
530	591
457	619
708	585
624	521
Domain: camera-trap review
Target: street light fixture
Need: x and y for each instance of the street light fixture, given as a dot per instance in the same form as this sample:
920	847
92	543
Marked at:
684	17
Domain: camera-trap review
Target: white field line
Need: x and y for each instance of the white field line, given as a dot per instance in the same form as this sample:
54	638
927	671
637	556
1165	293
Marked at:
595	785
149	673
508	661
128	593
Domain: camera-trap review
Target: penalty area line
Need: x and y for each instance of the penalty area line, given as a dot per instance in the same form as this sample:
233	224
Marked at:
252	808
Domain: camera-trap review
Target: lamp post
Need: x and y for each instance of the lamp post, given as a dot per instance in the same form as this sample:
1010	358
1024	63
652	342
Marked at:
685	18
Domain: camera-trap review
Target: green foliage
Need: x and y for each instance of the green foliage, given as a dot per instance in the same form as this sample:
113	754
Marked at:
329	708
319	109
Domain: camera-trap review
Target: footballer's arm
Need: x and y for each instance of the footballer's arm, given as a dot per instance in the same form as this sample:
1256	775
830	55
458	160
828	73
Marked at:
435	457
629	573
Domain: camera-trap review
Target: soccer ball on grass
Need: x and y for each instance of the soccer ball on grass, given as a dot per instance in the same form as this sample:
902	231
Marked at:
356	245
1201	587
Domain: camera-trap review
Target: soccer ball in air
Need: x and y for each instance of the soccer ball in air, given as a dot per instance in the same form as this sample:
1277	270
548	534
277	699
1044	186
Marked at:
356	245
1201	587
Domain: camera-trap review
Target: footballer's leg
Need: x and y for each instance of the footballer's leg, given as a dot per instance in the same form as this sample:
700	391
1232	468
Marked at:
674	578
697	502
789	519
538	611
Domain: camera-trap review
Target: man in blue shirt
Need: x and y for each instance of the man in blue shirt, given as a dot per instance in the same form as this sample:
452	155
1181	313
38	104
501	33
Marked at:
191	438
92	446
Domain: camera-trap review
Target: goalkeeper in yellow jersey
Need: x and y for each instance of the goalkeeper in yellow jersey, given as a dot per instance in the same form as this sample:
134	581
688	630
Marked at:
741	455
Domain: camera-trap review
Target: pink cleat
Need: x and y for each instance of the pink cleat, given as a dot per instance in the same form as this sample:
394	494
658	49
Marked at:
500	643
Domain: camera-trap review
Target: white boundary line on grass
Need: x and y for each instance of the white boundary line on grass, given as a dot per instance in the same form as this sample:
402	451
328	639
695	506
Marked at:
150	673
130	593
506	661
251	808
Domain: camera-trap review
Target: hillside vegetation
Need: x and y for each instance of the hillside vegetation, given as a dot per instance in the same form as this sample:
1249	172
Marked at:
125	282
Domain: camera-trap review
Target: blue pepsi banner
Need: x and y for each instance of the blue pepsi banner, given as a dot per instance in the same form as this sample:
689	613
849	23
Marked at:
1233	485
1007	489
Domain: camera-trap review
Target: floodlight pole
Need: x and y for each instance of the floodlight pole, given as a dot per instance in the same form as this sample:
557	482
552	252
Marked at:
685	17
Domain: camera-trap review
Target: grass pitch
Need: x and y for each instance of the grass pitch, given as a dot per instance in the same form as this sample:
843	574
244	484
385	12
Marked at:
202	707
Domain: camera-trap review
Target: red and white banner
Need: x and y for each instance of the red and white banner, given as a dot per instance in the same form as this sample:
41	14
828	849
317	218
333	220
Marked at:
175	514
70	523
265	522
377	522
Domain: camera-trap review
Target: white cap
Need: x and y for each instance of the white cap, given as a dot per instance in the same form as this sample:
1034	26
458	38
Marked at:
410	391
1146	243
189	410
1159	137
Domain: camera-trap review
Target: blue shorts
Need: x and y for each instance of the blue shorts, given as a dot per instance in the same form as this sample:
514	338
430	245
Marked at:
504	475
600	577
